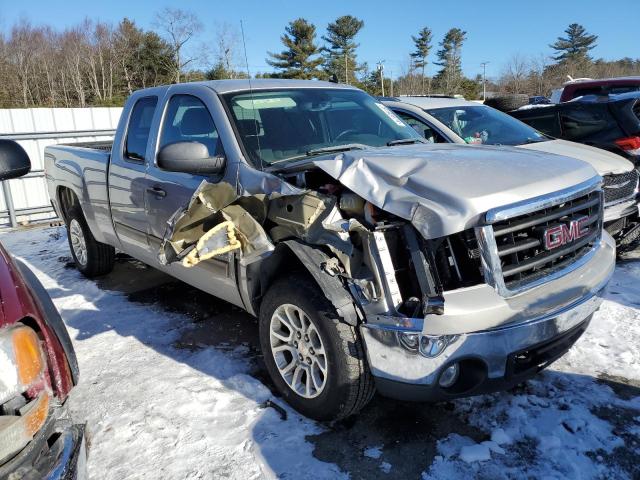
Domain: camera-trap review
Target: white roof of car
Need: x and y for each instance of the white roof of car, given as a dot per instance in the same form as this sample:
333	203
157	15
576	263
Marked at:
437	102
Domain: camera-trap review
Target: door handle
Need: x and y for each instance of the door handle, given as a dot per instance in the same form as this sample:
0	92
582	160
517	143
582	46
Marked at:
157	191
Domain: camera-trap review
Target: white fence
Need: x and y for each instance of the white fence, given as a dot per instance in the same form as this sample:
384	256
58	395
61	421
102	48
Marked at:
26	200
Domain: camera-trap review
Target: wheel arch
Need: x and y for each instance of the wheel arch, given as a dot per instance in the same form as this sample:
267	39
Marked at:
293	255
66	198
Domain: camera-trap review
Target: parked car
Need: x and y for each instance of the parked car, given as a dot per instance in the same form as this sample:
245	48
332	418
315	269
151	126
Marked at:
608	122
372	259
459	121
589	86
38	369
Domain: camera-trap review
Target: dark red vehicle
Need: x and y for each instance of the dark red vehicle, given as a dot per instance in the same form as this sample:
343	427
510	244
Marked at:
603	86
38	369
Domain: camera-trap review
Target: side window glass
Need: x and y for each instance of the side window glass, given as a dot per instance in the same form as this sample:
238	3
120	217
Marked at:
139	127
546	123
188	120
581	121
421	127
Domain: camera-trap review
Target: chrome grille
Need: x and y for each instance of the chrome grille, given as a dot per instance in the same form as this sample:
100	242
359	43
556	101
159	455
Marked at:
620	186
524	244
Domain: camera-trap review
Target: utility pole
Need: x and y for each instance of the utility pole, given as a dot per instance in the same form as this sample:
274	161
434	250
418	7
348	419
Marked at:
391	77
484	80
381	70
346	72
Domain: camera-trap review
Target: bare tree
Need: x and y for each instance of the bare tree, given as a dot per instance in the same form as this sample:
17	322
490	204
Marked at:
514	77
179	27
227	48
538	74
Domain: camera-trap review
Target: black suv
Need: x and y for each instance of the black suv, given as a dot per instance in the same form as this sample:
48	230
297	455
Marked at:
610	122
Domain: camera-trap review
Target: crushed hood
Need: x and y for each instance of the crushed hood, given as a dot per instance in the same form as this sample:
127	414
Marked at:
604	162
444	189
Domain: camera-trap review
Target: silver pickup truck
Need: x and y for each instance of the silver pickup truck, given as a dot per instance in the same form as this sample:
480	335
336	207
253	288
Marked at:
373	261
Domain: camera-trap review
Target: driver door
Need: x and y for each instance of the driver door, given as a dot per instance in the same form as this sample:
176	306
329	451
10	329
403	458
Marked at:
186	119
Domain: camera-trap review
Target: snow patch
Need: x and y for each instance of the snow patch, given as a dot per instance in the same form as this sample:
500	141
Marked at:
500	437
475	453
373	452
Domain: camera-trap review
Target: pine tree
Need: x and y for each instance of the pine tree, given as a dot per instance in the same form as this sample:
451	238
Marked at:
341	58
423	47
450	59
300	58
576	45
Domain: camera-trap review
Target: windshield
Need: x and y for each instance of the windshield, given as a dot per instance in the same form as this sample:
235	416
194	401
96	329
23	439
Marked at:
282	125
481	124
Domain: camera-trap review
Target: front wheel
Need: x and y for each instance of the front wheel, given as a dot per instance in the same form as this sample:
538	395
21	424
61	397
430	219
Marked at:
316	360
92	258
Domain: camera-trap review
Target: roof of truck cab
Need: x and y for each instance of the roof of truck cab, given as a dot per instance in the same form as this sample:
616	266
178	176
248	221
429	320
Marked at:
226	86
437	102
241	85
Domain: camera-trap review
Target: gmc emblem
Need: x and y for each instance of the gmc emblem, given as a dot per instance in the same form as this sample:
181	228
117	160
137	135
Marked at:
562	234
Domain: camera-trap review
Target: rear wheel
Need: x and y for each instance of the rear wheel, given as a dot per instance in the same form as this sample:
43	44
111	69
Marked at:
315	360
92	258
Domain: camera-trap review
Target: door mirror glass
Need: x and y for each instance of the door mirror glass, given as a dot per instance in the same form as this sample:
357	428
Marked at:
190	157
14	161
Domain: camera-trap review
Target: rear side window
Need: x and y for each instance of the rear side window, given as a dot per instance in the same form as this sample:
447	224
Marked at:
188	120
546	121
582	121
139	127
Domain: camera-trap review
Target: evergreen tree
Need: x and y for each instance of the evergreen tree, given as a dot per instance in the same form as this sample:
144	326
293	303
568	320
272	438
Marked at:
423	47
450	59
341	58
300	58
575	46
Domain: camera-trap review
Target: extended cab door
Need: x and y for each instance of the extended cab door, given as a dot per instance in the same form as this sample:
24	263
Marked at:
186	117
129	156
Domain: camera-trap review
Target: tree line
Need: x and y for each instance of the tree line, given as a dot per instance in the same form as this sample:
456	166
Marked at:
95	63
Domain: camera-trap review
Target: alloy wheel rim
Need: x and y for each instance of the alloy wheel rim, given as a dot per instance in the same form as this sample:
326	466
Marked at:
298	351
78	242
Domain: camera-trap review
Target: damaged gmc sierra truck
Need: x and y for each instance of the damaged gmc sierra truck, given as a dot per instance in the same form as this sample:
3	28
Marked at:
373	261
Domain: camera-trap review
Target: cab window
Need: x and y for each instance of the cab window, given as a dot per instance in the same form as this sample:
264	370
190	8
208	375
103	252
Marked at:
139	127
187	119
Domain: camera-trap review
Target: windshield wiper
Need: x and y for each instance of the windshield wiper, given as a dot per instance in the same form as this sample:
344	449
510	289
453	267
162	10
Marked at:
406	141
318	151
534	140
337	148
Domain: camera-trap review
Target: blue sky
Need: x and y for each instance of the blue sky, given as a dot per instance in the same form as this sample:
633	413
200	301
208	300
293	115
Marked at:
496	29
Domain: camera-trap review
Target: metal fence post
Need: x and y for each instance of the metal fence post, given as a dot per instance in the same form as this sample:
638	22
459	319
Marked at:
8	201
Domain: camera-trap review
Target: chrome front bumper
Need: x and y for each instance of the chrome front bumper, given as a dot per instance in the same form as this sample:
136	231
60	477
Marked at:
484	328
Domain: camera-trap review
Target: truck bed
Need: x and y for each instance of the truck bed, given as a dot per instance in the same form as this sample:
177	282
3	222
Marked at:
82	167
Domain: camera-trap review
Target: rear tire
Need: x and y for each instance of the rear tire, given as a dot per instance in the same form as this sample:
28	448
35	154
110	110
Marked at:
507	103
92	258
293	309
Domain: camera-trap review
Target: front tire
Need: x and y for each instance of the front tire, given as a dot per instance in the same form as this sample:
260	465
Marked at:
315	359
92	258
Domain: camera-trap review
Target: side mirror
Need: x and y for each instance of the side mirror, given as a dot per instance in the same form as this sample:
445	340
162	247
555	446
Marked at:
190	157
14	161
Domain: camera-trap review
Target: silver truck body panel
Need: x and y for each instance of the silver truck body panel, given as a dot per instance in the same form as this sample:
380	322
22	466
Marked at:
444	188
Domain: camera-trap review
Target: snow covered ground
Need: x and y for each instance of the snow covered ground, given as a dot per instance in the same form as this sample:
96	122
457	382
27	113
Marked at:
155	409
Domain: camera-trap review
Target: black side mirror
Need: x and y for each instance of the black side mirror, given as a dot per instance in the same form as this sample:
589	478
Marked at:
14	161
190	157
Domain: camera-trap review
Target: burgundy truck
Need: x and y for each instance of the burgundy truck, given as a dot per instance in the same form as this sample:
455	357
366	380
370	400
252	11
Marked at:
38	369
